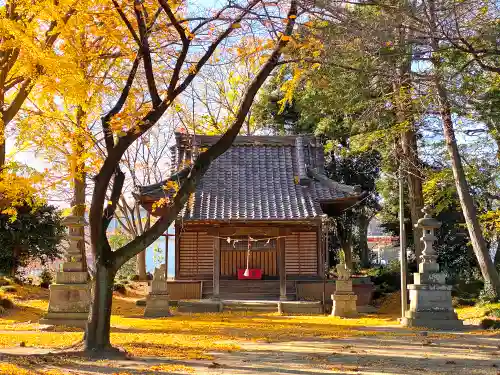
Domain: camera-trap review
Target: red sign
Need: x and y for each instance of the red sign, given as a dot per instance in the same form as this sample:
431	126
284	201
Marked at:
383	239
253	274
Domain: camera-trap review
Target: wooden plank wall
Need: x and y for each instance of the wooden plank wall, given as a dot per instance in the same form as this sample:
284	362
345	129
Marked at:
266	260
196	255
179	290
301	253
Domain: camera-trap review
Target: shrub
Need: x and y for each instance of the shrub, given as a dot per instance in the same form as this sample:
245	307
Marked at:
8	289
490	324
2	311
468	289
487	295
124	282
35	234
134	278
46	278
5	281
459	301
120	288
387	279
6	303
493	312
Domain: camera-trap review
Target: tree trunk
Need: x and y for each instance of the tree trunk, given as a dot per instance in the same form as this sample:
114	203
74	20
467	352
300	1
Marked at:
486	265
16	254
414	179
364	251
3	148
141	257
98	329
410	160
347	249
490	274
141	266
497	255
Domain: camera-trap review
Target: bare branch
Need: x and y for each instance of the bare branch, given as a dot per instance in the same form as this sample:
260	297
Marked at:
146	53
204	160
127	23
185	47
108	135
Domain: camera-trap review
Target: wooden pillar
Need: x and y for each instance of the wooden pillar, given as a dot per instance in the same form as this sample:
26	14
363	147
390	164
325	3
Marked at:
281	267
216	276
320	251
166	255
327	253
177	250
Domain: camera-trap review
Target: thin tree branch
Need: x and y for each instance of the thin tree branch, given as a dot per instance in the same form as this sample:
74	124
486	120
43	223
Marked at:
146	53
127	23
108	134
204	160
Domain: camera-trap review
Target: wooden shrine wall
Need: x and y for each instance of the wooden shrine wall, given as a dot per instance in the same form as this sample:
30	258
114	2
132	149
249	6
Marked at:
196	256
301	253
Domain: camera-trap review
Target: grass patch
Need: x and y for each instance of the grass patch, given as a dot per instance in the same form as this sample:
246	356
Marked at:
9	289
40	339
476	312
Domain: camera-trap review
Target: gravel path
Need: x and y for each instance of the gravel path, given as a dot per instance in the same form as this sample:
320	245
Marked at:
367	355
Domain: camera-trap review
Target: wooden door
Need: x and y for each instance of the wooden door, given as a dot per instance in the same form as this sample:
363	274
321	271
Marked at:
262	256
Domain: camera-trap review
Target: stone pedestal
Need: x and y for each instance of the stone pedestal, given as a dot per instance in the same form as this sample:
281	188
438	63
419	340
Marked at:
157	301
69	302
344	299
430	297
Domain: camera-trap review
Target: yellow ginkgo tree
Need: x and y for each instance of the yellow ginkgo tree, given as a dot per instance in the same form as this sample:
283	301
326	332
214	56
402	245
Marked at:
59	120
172	45
29	32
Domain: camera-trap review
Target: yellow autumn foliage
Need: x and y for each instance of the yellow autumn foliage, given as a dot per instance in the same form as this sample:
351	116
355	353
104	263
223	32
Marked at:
19	191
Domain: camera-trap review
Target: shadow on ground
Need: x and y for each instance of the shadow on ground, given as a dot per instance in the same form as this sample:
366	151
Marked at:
368	355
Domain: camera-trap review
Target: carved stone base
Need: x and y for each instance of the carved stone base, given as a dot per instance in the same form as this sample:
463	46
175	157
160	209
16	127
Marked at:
78	320
69	305
158	287
344	305
343	286
72	277
157	306
431	306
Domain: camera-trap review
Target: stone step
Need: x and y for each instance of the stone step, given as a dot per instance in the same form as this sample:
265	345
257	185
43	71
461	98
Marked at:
250	297
264	306
199	306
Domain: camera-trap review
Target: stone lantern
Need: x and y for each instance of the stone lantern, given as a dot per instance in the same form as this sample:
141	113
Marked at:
430	297
69	302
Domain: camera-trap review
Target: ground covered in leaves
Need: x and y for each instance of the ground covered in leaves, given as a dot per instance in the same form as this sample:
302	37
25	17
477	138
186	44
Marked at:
242	343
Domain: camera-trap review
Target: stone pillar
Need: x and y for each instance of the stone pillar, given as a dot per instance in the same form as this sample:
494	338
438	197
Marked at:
157	300
430	297
70	296
344	299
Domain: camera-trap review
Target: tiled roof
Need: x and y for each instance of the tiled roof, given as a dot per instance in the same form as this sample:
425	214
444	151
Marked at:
261	180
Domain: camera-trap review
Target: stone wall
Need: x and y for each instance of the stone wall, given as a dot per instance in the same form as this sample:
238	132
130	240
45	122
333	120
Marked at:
313	290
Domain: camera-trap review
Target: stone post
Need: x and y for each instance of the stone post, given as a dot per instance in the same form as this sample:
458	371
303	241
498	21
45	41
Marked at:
430	297
70	296
157	300
344	299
